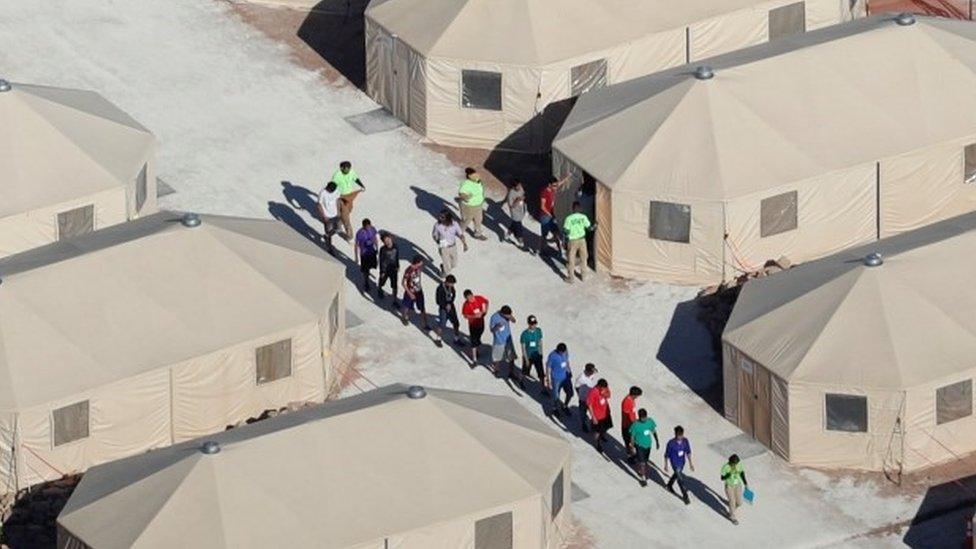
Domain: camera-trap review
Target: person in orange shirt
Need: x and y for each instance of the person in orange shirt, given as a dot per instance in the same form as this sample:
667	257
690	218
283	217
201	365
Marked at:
598	402
628	415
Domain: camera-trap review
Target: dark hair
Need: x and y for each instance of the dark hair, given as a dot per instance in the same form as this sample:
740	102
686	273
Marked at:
642	413
330	186
636	391
345	164
469	171
679	430
506	310
561	348
602	383
450	279
589	368
445	213
467	293
734	458
577	205
417	259
516	182
366	222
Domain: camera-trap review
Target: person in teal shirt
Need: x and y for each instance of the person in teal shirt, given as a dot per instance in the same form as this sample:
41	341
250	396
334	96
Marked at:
641	432
344	178
471	197
575	227
734	478
531	340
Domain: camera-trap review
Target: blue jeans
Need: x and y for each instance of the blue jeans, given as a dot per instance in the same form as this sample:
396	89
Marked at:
548	226
566	386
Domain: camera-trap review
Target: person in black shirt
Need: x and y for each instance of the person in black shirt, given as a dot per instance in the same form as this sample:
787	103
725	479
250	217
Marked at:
446	312
389	266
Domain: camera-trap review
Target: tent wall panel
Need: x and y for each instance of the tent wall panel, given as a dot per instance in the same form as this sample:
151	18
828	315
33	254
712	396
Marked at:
418	93
150	205
379	64
649	55
458	533
8	464
730	379
834	212
220	389
925	186
125	418
604	228
823	13
780	418
928	443
726	33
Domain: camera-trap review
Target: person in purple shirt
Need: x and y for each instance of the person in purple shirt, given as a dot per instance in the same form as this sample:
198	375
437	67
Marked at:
676	453
367	242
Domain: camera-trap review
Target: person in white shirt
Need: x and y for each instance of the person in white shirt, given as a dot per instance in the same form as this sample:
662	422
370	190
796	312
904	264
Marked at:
585	381
329	212
447	231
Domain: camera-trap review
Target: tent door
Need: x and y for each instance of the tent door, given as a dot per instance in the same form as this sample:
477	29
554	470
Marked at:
755	408
401	81
747	383
762	413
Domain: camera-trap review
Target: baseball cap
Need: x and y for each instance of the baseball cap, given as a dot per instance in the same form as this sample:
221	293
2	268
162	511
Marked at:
531	319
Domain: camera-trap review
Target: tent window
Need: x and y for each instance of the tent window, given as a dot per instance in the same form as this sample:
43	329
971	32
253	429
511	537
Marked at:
141	188
670	221
494	532
76	222
481	90
333	319
273	361
70	423
777	214
557	495
787	20
970	163
954	402
847	413
588	76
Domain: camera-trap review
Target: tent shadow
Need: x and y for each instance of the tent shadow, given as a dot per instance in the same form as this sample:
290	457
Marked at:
942	516
335	29
687	351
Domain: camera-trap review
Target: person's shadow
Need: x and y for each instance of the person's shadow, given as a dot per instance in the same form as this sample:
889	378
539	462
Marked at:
300	198
706	495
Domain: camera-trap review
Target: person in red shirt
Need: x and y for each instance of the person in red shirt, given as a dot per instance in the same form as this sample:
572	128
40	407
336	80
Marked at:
547	215
628	415
598	402
474	309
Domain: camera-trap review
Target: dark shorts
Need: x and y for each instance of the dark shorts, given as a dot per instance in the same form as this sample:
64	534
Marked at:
517	229
331	225
643	454
625	434
418	301
367	261
603	425
475	334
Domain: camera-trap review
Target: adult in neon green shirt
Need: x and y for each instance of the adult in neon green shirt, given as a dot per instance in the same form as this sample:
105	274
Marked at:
734	478
575	227
471	197
344	178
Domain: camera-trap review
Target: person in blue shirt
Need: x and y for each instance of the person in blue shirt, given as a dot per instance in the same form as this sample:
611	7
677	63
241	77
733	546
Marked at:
502	349
677	452
559	378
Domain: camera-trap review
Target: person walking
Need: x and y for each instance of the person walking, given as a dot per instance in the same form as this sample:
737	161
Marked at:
502	350
676	453
344	178
559	378
585	381
365	248
531	343
447	231
640	434
389	266
471	196
517	210
413	292
474	310
547	215
575	228
446	312
329	213
628	415
598	403
734	478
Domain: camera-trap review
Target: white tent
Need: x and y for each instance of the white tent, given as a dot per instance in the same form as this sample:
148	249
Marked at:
858	361
486	73
801	147
410	469
70	162
151	332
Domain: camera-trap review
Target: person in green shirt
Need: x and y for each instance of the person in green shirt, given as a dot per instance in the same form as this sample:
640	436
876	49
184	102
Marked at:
734	478
471	197
531	340
344	178
641	432
575	227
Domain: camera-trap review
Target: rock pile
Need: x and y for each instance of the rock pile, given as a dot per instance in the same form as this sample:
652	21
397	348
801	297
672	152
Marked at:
29	516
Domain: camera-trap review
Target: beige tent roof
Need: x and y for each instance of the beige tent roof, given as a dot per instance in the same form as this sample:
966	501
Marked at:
837	321
337	475
535	32
781	112
148	293
58	144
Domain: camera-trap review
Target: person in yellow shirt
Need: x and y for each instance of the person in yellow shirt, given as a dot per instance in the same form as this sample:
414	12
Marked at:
734	478
575	227
344	178
471	197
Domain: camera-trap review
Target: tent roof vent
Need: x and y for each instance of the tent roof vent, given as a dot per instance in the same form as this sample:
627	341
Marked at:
704	72
873	260
190	220
416	391
905	19
210	448
4	85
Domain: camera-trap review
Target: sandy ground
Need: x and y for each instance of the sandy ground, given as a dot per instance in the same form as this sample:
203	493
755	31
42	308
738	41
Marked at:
246	129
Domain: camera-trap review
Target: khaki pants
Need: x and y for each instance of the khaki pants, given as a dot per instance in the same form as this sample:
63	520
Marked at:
472	214
577	248
449	259
733	492
345	211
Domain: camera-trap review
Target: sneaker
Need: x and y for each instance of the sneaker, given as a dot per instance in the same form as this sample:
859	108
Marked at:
480	236
687	501
404	320
643	483
735	522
